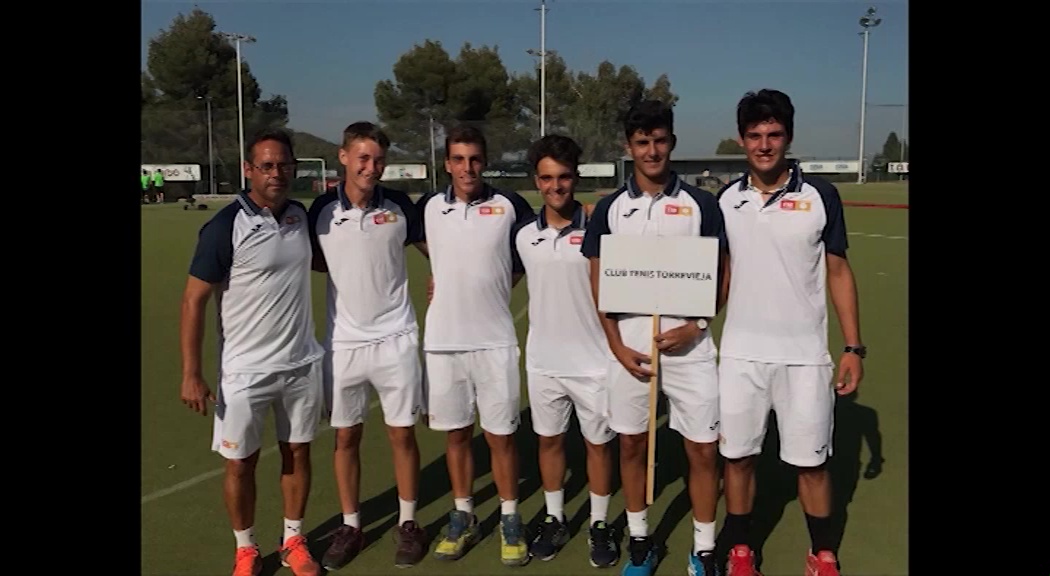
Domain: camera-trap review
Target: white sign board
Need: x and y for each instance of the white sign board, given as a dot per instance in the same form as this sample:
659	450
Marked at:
176	172
897	167
603	170
830	166
307	173
215	197
405	172
666	275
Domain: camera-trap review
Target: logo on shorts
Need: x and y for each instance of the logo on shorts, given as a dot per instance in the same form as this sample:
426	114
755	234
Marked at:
715	425
675	210
822	449
491	210
384	218
230	445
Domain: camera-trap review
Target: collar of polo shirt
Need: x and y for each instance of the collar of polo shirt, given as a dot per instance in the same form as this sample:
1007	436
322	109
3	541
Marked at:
254	209
344	201
670	189
487	192
793	184
579	218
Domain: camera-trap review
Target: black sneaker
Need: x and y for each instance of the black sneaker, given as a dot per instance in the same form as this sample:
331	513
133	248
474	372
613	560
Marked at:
551	536
347	543
641	555
605	550
411	543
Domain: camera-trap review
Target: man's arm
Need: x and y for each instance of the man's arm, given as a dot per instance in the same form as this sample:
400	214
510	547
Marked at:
610	325
191	327
318	262
523	216
844	297
420	233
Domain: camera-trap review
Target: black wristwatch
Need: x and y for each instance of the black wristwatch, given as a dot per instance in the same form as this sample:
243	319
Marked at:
861	351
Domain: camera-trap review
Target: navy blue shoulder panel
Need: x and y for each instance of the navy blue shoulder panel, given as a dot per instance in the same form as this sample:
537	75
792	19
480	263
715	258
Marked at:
213	256
598	225
523	216
834	235
421	210
415	224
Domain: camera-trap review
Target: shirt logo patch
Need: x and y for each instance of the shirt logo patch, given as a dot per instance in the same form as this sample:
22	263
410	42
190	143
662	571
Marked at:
384	218
795	205
491	210
676	210
576	240
293	219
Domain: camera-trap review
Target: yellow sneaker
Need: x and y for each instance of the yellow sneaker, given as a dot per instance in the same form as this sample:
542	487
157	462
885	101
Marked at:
514	547
463	532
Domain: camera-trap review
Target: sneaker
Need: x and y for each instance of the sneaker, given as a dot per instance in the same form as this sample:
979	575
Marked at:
514	547
411	544
741	562
703	564
605	550
641	557
248	561
295	555
553	534
347	543
462	533
823	564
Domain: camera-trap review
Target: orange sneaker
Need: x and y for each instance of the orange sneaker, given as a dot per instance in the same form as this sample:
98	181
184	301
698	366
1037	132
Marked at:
823	564
295	555
248	561
742	562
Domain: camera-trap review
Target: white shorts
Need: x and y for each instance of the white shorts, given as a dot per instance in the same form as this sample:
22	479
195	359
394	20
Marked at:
692	396
552	399
803	398
244	399
486	380
391	367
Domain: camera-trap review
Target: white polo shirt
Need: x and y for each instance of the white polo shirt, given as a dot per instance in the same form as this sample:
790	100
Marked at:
565	338
364	250
679	210
472	262
261	260
777	307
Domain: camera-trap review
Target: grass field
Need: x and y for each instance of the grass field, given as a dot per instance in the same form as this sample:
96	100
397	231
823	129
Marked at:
184	526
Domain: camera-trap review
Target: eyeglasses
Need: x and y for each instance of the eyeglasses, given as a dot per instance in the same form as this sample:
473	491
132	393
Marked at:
268	167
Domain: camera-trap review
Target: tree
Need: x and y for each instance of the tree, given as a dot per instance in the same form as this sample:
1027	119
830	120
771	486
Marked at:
729	146
476	88
185	64
891	152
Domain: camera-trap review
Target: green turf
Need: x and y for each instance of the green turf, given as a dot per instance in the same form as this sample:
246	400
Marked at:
184	526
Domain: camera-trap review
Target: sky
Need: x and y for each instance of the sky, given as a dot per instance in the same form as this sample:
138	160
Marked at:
326	56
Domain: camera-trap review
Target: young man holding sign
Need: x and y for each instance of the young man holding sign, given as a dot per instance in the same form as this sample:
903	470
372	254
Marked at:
655	202
787	241
567	354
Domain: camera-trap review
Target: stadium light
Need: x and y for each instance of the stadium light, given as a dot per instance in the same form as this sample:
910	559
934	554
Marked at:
237	39
542	53
867	22
324	170
211	156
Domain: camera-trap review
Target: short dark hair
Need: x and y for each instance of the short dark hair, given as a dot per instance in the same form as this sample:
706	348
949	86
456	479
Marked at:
366	130
764	105
466	134
561	149
275	134
647	116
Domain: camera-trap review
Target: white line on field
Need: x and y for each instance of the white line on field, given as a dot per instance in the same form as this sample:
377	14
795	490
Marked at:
188	483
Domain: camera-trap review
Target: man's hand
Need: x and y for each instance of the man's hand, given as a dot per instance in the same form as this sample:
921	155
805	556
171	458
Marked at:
632	361
851	371
677	338
430	289
196	394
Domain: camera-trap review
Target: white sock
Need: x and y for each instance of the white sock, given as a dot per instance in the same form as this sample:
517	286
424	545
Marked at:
465	505
508	506
406	511
292	528
352	519
703	536
638	523
245	537
599	508
555	504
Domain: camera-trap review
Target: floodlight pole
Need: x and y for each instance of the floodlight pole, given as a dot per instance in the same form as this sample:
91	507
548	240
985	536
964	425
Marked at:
543	68
867	22
324	171
433	156
237	39
211	156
